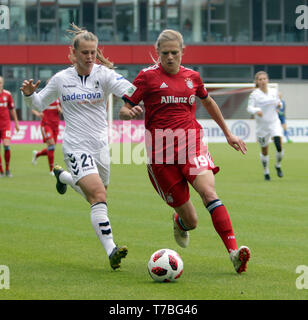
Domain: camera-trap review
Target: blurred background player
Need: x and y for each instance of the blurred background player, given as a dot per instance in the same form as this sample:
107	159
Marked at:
263	103
50	130
7	107
282	117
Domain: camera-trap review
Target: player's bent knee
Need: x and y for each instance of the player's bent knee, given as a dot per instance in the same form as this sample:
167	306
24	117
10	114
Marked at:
188	215
192	224
208	196
97	196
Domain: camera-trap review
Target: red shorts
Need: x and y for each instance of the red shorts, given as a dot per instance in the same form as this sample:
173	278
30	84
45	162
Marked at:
50	132
171	180
5	132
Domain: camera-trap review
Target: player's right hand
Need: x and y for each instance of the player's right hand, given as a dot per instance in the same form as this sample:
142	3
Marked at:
135	111
28	87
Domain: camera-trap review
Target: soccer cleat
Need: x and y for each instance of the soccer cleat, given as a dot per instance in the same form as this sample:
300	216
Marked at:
279	172
240	258
1	174
181	236
51	173
267	177
61	187
8	174
34	158
116	255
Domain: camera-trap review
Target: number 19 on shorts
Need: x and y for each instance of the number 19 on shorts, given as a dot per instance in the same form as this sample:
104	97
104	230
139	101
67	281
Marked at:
201	161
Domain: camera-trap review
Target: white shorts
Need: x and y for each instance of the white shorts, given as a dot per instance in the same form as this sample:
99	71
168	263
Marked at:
265	132
81	163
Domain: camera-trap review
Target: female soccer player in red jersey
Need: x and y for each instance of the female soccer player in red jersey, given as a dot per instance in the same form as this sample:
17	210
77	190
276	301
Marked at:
50	130
175	143
7	106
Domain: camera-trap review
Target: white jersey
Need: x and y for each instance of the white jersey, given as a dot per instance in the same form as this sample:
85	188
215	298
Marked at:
267	103
84	103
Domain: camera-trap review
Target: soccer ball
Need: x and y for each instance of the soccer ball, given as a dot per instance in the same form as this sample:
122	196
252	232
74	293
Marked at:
165	265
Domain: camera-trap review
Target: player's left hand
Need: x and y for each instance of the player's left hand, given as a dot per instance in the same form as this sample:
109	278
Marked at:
237	143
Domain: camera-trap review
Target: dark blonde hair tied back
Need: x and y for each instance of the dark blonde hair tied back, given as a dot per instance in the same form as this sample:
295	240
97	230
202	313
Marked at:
168	35
83	34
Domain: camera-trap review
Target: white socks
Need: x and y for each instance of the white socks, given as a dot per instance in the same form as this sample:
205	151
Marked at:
101	225
66	177
279	156
265	163
265	160
99	215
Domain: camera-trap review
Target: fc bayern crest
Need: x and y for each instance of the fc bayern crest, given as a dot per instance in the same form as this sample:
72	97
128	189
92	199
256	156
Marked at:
189	83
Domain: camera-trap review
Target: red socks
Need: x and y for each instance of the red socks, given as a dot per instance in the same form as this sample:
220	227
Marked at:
7	157
1	169
49	152
42	153
222	223
50	155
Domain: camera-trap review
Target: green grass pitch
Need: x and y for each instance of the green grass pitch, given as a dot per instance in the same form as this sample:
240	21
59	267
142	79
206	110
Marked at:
52	252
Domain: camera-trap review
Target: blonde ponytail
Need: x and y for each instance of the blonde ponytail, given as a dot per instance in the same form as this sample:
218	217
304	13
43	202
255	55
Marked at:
83	34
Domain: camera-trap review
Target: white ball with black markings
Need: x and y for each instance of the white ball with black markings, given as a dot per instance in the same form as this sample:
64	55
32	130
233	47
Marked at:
165	265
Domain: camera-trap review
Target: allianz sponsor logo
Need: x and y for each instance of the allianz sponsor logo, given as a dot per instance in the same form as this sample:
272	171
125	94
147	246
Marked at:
241	129
82	96
173	99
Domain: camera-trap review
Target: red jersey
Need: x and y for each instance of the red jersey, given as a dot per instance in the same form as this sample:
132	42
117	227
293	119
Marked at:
169	102
169	99
51	114
6	103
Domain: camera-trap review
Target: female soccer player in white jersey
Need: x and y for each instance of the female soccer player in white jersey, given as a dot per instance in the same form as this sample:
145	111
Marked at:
83	90
263	103
168	91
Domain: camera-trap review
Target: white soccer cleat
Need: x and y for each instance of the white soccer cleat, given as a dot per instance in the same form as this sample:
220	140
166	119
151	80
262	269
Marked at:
51	173
240	258
34	158
181	237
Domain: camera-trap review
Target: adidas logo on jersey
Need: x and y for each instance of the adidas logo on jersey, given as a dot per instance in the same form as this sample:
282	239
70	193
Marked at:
163	85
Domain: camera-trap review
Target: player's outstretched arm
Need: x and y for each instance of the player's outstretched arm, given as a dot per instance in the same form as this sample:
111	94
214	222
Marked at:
28	87
128	112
